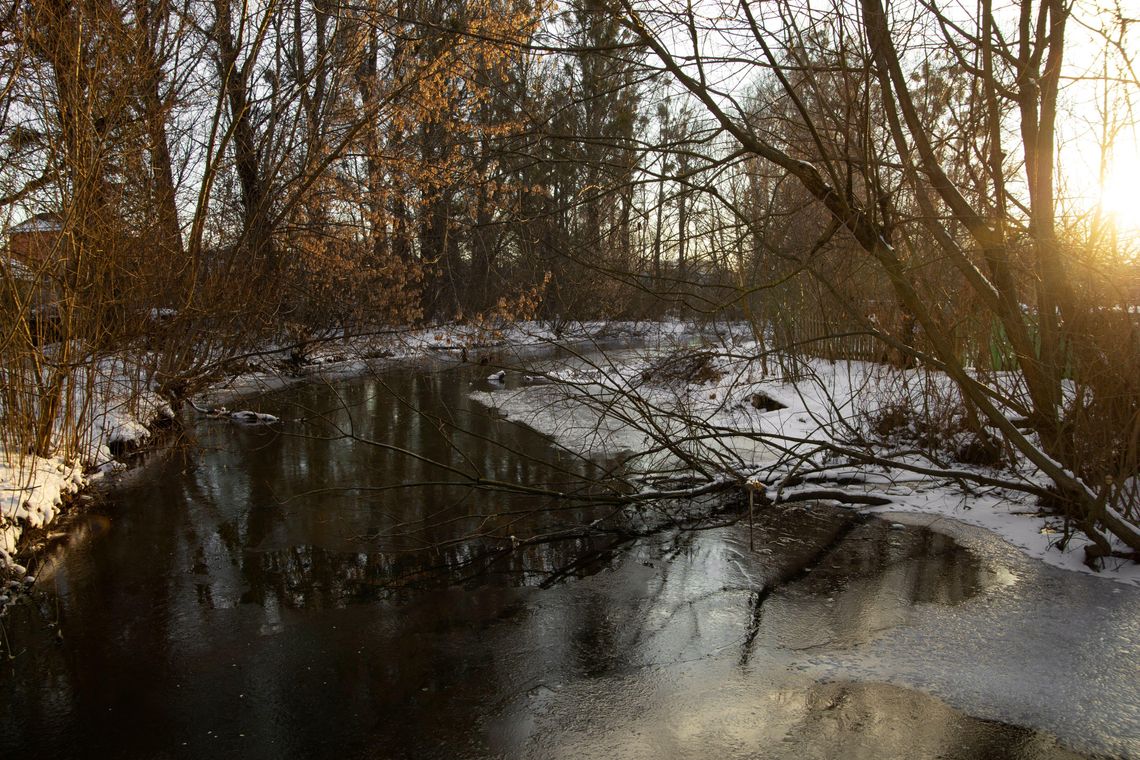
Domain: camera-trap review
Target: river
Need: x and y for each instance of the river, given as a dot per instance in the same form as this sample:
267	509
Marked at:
282	593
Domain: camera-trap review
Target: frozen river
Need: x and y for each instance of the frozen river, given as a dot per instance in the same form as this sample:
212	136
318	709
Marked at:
281	593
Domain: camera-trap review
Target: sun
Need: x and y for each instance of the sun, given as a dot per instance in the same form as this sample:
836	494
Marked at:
1104	204
1116	198
1119	197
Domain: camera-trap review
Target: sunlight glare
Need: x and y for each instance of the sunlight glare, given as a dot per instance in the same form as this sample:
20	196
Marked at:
1119	197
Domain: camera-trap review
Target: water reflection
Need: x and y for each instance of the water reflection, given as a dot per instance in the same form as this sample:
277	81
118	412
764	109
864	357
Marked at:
308	576
244	604
868	584
686	714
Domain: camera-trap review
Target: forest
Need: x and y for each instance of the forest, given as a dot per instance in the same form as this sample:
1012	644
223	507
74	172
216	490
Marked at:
185	183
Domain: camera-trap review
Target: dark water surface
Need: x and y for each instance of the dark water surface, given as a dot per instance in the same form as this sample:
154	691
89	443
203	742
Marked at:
234	600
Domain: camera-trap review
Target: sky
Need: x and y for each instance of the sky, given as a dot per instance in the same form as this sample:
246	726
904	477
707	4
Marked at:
1082	126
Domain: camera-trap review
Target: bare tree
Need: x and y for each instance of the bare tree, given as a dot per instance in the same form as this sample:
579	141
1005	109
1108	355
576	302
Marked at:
899	196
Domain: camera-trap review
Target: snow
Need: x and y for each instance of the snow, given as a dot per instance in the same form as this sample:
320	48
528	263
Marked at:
126	431
610	403
247	417
121	407
38	223
31	495
117	404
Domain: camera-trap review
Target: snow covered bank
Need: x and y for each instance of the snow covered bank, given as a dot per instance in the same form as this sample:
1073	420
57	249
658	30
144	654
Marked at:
751	421
786	432
108	409
31	495
337	355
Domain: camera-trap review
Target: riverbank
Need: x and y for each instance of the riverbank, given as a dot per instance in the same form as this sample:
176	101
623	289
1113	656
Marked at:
338	356
780	432
121	414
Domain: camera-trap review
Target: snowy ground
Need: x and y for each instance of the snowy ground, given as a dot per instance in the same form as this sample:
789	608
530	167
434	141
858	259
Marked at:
618	403
115	410
337	355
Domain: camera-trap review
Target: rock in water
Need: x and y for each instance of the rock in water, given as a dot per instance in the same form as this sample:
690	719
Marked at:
247	417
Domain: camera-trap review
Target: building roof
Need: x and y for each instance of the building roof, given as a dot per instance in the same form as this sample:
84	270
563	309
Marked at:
46	222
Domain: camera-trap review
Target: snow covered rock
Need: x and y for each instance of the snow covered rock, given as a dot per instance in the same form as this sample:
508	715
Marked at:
246	417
